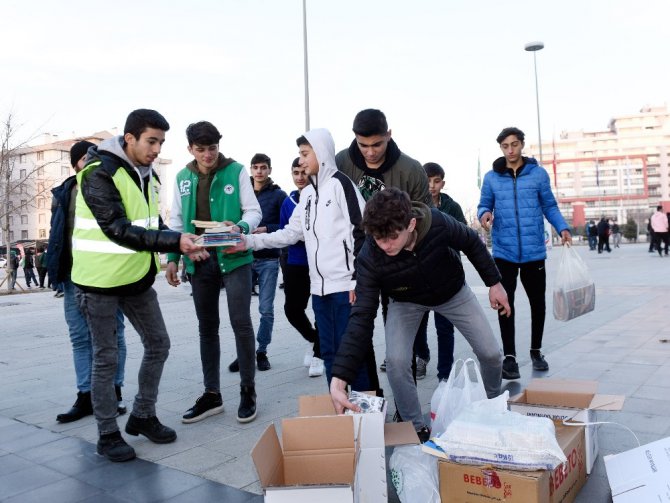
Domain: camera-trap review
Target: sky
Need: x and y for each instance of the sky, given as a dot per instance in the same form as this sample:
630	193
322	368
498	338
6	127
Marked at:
448	74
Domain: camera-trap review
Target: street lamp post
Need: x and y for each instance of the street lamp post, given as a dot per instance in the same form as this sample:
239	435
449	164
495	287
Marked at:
534	47
305	61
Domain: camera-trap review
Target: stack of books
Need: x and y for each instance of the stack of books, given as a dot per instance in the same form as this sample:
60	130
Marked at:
216	234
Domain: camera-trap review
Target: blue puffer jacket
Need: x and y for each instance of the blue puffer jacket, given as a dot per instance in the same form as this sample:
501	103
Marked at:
518	204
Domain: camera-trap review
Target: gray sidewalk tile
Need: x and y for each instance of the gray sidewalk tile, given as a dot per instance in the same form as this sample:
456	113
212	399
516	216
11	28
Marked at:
67	489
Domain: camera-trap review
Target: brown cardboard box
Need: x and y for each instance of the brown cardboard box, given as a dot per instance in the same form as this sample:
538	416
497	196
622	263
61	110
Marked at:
476	484
567	400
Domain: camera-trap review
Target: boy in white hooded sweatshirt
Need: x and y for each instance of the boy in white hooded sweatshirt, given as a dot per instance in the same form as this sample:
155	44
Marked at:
328	219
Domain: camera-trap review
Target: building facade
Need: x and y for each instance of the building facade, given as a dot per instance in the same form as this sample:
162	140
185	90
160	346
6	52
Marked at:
621	172
34	171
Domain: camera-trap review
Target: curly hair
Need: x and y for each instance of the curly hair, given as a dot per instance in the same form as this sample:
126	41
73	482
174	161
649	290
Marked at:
387	212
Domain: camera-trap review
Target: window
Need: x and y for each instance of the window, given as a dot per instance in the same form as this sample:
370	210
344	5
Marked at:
65	170
11	235
11	220
24	234
40	156
22	174
43	233
41	203
24	219
22	158
24	203
42	218
40	172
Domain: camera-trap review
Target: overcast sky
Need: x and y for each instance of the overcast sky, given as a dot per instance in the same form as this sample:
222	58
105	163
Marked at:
449	74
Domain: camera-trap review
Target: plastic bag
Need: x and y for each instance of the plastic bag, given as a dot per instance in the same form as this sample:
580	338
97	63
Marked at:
486	433
574	290
414	475
459	391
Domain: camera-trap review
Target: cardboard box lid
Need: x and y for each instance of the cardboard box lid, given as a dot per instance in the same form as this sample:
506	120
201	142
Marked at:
268	458
304	434
569	393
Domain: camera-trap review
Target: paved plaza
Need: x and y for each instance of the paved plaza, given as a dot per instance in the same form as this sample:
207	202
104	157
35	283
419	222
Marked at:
623	345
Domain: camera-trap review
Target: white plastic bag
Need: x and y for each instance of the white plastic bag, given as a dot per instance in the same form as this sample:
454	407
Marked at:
414	475
574	290
485	432
459	391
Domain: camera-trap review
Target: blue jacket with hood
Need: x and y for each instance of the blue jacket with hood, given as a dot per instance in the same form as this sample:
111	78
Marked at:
518	203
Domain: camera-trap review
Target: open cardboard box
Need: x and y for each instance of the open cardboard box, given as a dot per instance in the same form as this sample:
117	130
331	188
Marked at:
460	483
567	400
640	474
324	457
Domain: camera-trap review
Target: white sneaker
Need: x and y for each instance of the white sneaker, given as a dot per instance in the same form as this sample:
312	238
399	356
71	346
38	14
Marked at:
309	354
316	367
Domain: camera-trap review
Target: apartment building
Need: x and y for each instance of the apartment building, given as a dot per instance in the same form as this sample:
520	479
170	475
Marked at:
35	171
620	172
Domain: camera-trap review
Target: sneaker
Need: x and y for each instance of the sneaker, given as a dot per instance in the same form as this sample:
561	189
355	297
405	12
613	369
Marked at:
510	368
309	354
114	448
82	407
382	367
59	295
234	366
254	293
120	404
423	434
421	367
316	367
246	412
207	405
262	361
151	428
539	363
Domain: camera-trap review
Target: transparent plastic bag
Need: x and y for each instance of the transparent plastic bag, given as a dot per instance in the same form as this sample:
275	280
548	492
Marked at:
414	475
461	389
574	290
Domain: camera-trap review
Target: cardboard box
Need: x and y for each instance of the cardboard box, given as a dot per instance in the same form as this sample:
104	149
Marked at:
324	457
641	474
476	484
567	400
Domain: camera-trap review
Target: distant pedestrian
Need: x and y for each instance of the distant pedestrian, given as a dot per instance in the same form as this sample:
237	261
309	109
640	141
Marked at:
41	265
29	267
604	235
616	234
592	232
659	222
650	236
13	269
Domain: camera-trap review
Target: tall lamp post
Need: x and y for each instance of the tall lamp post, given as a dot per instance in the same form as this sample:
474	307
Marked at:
534	47
305	61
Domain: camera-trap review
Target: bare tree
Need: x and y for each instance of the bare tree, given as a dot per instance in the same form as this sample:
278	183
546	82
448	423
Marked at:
21	189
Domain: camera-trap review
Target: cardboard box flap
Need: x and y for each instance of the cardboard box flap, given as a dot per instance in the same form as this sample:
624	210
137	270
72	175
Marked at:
320	467
317	433
607	402
268	458
561	392
400	434
315	405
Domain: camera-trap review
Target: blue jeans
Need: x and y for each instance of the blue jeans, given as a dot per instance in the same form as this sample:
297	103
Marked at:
206	282
445	344
331	313
266	270
144	313
593	242
80	337
402	322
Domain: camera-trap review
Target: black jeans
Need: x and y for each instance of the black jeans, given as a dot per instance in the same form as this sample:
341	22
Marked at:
603	242
661	238
534	281
296	293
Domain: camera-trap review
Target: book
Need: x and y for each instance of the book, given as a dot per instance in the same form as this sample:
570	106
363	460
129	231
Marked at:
211	226
367	403
218	239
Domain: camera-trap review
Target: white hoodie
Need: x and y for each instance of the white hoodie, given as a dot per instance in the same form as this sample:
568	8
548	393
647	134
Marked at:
328	219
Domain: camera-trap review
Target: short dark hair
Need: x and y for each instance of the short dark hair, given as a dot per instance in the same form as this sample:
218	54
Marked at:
141	119
302	141
387	212
259	158
202	133
295	163
511	131
659	207
370	122
433	169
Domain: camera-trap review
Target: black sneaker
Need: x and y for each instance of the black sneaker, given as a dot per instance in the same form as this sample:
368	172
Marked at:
382	367
151	428
262	361
423	434
421	367
539	363
207	405
114	448
234	366
82	407
247	409
510	368
120	405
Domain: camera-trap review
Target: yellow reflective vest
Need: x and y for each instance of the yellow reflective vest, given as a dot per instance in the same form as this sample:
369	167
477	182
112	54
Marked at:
99	262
